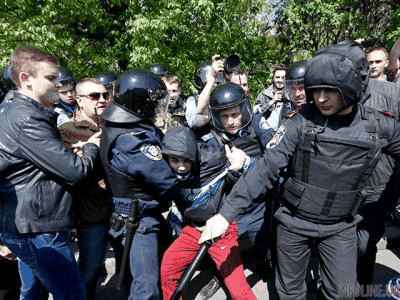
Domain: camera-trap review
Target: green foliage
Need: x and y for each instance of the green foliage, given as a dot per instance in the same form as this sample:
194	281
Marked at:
311	24
94	36
181	35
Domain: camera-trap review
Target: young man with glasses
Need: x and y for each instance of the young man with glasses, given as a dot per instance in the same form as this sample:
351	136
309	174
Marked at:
93	201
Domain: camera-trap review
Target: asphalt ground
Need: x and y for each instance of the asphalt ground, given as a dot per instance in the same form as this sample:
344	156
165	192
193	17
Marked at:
261	280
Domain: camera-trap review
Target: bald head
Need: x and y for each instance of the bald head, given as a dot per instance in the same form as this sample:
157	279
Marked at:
92	97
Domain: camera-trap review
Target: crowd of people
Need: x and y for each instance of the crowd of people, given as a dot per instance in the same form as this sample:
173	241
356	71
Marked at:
127	160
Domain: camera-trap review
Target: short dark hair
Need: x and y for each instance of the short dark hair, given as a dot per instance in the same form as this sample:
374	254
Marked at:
279	67
24	59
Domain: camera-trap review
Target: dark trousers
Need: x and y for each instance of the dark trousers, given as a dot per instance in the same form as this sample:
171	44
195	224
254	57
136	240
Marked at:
337	250
149	243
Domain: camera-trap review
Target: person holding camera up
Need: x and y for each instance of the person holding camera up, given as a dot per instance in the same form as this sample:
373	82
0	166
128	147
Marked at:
270	101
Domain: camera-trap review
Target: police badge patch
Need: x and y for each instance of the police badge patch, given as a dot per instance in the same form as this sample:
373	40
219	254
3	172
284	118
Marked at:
277	137
151	151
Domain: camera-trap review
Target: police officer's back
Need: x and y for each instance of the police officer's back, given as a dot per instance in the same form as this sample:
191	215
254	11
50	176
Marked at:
131	156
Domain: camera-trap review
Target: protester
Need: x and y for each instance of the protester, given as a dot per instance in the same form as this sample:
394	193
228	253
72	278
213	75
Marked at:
38	174
92	200
378	60
180	150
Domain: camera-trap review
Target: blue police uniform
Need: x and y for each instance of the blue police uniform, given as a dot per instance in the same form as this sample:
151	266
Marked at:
135	153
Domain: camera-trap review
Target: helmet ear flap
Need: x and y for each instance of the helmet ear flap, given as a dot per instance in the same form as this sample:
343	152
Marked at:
338	69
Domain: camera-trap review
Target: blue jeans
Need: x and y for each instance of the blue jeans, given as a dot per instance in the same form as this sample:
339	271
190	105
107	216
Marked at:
149	243
46	258
92	245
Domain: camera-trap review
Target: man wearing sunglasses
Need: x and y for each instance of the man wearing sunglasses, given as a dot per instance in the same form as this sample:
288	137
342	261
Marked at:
92	201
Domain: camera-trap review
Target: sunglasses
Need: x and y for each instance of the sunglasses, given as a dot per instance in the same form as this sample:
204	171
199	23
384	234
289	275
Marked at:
96	96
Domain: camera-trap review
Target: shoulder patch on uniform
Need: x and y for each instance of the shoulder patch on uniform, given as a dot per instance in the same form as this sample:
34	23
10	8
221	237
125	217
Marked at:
277	137
151	151
387	114
290	114
137	132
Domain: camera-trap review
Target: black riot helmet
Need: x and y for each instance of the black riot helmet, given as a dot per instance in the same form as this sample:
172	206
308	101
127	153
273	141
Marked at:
358	55
227	96
158	69
65	78
6	81
108	80
137	94
201	77
335	70
294	82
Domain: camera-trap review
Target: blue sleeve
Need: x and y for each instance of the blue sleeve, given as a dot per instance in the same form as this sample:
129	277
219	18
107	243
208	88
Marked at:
141	158
264	135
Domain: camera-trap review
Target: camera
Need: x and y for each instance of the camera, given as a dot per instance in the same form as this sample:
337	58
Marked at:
232	64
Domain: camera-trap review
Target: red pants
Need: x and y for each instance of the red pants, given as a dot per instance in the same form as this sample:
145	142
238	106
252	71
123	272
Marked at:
225	253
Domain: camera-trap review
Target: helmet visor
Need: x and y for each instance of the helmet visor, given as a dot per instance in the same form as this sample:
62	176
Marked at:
295	92
231	118
156	97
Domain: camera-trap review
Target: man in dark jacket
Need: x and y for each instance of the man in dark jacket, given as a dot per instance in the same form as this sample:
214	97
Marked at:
37	174
93	200
334	145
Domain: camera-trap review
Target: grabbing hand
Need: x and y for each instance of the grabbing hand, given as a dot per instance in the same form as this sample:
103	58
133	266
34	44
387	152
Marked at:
77	147
215	227
236	157
95	138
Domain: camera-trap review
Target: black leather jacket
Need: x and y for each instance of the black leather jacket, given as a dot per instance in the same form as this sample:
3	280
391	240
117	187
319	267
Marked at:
37	171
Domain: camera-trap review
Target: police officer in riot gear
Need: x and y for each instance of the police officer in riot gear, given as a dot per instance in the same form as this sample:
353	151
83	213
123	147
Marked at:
67	93
6	85
333	146
231	120
294	83
131	155
231	116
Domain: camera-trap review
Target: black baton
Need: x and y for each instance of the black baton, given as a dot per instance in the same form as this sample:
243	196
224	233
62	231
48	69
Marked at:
191	269
131	225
